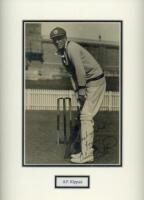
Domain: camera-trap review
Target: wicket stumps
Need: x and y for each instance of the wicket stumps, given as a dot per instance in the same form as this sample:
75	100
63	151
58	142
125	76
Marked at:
64	101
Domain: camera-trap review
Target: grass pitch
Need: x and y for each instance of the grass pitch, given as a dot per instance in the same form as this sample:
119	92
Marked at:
40	139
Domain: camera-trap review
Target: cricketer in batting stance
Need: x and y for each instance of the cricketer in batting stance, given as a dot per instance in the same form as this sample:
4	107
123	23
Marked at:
88	83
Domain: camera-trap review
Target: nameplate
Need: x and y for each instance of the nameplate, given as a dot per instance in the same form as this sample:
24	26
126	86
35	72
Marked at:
72	181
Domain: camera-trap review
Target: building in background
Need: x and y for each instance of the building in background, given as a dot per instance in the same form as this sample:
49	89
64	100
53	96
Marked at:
42	62
33	45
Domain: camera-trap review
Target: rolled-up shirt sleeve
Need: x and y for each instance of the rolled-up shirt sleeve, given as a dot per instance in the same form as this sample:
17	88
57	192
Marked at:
75	57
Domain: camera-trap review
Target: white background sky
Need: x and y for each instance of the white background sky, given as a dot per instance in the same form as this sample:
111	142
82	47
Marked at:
109	31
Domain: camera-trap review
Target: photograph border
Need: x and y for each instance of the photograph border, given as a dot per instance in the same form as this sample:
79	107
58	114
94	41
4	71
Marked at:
120	92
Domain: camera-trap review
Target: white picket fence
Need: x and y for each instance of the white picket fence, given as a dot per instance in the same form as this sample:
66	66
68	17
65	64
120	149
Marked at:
41	99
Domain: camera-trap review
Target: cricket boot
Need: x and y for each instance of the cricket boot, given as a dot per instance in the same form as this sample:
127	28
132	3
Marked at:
83	159
77	155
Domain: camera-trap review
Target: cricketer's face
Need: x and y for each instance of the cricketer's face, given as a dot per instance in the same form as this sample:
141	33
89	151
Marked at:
59	42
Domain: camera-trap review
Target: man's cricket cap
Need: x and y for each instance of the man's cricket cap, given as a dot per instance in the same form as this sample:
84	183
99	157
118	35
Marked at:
56	32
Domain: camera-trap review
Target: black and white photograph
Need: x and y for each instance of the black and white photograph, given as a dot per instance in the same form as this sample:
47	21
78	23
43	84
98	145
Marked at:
72	93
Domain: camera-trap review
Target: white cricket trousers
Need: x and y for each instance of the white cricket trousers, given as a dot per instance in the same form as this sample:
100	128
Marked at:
94	98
